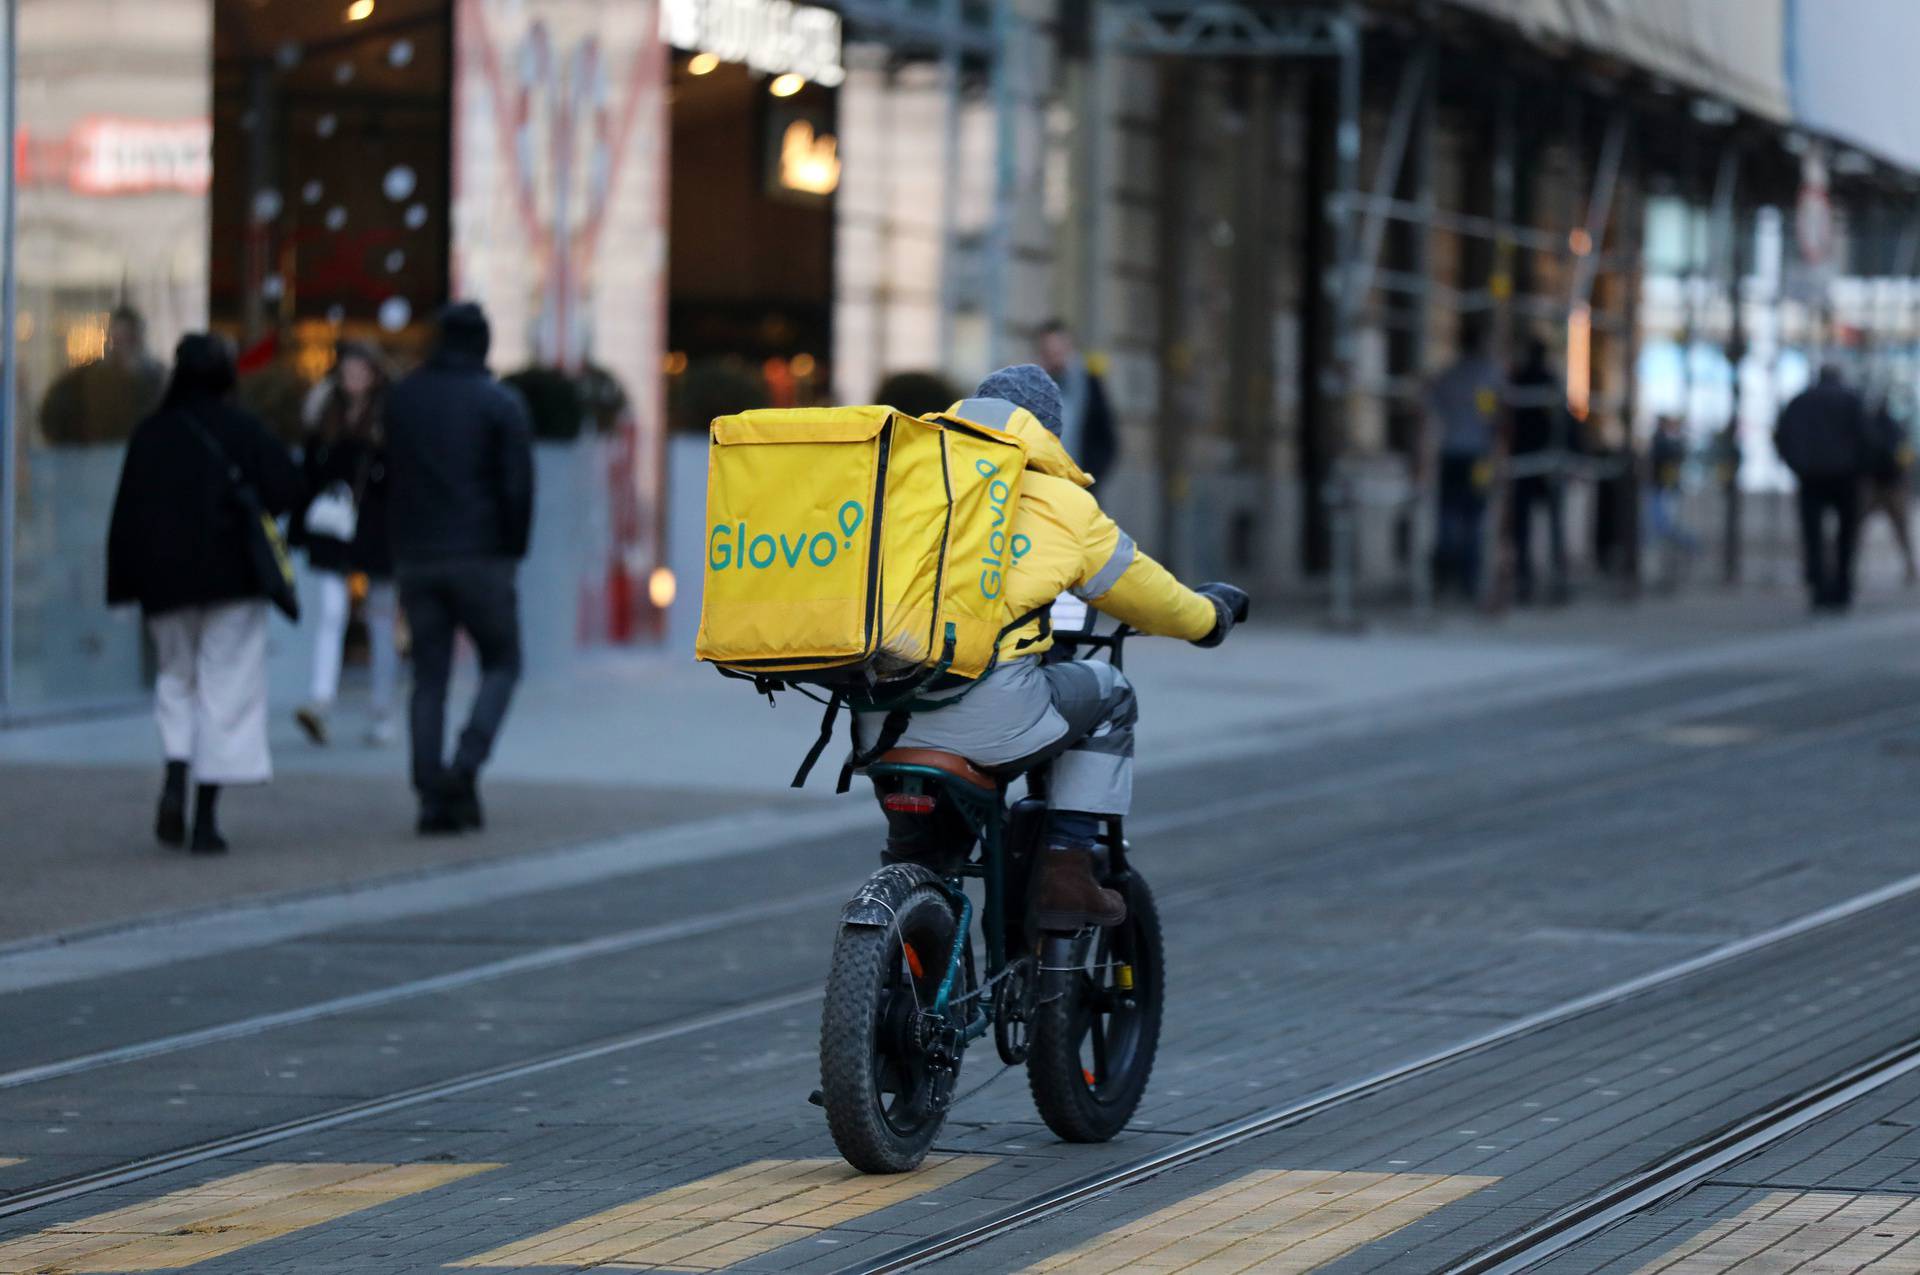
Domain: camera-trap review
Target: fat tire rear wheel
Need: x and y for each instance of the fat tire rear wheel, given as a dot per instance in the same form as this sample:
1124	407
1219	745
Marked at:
1094	1045
875	1082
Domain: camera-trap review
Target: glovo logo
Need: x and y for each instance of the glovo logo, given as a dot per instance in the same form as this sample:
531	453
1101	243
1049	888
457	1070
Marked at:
994	564
737	546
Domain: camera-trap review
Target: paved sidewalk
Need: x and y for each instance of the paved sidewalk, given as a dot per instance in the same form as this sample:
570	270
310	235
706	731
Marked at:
633	742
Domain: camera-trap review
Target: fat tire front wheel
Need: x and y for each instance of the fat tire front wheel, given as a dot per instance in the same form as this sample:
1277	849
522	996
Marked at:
883	1100
1094	1041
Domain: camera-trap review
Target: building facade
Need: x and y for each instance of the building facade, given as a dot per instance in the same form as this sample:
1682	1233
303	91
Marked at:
1270	224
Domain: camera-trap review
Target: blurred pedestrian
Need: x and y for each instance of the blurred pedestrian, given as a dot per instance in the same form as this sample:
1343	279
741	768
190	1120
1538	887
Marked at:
101	400
460	511
1890	460
344	529
1463	406
1666	462
1087	431
1822	437
179	546
1537	434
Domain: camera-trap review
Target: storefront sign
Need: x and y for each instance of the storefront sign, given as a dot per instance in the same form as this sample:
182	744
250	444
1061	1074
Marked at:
112	156
773	36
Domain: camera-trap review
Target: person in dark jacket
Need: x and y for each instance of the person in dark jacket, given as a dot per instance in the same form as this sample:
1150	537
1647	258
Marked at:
459	514
344	529
1889	460
1087	430
1822	437
1537	426
101	401
178	548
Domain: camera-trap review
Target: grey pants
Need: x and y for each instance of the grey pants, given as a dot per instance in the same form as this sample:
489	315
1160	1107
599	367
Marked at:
1077	715
477	595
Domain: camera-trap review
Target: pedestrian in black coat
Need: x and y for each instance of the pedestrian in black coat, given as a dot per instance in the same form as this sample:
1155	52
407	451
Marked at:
1087	427
460	512
178	548
1822	436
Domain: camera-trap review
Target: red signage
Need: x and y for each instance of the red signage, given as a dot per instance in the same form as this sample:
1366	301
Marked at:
110	155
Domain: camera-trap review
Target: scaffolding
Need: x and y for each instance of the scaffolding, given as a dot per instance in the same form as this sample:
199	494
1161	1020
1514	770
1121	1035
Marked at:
1359	291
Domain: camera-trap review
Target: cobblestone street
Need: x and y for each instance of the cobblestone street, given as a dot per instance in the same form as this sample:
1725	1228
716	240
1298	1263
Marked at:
1454	961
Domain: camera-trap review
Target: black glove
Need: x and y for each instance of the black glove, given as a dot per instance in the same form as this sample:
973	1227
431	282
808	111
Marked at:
1230	606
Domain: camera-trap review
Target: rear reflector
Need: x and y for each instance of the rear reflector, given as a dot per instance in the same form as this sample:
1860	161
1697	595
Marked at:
908	803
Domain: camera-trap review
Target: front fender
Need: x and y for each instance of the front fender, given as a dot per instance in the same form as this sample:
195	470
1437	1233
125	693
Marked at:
883	893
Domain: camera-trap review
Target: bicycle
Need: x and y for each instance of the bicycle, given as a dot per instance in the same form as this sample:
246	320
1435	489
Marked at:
905	997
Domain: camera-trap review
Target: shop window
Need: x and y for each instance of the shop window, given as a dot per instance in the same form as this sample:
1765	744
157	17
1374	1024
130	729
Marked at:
113	162
330	185
756	164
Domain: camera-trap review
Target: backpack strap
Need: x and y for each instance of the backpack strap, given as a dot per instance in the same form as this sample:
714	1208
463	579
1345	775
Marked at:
827	720
891	730
1043	614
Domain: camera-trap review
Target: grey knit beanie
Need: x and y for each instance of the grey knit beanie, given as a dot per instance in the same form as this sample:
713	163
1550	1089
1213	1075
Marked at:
1027	385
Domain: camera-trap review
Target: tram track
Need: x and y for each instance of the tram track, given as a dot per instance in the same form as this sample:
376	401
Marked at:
1573	1225
1189	1150
623	942
1553	1235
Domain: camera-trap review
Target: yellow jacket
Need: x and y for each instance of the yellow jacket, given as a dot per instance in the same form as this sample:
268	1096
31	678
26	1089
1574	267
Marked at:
1064	543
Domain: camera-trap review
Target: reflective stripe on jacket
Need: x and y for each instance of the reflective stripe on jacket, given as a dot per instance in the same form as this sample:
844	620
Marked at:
1065	543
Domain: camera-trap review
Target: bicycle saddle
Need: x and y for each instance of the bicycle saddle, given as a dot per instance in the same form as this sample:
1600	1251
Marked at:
934	759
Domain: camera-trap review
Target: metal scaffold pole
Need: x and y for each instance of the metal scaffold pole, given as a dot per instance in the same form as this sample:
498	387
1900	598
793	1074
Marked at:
950	87
1000	237
1337	381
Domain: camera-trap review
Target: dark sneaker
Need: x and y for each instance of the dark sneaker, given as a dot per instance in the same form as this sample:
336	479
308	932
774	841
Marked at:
1066	897
208	841
436	820
461	798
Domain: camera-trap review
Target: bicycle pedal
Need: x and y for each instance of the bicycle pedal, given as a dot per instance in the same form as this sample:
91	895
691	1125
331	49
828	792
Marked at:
817	1098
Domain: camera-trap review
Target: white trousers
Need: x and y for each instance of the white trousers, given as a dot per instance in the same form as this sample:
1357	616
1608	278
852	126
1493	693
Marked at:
330	635
210	697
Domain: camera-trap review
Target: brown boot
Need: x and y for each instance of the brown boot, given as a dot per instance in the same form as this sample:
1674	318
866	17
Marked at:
1066	896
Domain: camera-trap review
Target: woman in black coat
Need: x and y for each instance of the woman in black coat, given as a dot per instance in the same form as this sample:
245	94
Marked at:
344	530
178	547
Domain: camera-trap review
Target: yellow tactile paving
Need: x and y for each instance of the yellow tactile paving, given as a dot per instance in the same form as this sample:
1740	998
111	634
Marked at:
1276	1221
726	1218
1815	1232
220	1217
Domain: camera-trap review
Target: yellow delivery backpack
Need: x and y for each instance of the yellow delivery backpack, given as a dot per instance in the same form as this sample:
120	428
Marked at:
858	549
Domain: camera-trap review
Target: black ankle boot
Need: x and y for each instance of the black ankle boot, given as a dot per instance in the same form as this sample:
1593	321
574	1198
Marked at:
462	796
206	829
170	823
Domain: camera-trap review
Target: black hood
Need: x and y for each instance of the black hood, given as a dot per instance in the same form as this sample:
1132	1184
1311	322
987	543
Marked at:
465	335
203	371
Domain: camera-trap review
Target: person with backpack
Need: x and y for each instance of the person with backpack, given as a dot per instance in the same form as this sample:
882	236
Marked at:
1822	437
1076	716
198	475
344	530
460	514
1890	459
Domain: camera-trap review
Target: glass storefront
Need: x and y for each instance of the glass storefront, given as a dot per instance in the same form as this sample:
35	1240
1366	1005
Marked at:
112	168
292	173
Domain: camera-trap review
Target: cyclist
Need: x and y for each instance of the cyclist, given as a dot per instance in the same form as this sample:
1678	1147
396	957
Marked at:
1076	714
